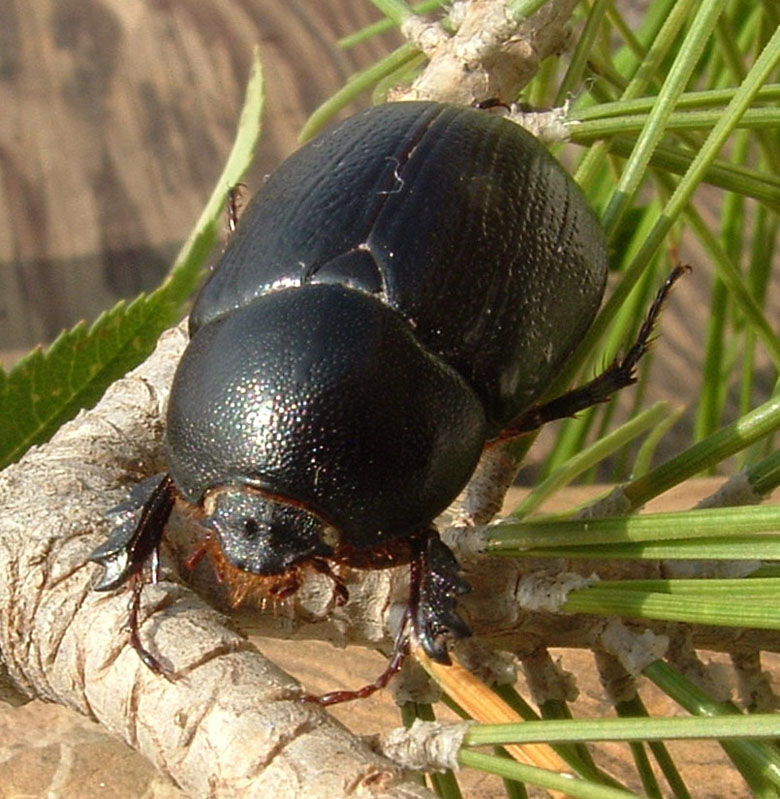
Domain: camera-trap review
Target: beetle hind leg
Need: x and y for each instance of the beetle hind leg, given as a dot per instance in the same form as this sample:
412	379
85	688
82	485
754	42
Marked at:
619	374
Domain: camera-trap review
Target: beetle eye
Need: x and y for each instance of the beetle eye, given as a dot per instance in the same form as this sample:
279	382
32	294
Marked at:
251	528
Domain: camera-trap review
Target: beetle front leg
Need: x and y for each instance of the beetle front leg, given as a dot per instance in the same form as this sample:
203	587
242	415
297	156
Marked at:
134	627
430	613
434	587
133	543
397	658
136	539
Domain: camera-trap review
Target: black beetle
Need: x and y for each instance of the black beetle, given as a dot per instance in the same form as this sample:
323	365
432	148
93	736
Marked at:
397	296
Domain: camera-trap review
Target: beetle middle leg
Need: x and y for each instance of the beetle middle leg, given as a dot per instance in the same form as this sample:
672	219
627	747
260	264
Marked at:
619	374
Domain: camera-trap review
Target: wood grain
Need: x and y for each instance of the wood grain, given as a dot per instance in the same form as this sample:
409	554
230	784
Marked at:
117	115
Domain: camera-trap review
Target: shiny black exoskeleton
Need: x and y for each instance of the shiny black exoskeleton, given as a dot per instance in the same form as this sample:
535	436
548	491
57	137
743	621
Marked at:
398	295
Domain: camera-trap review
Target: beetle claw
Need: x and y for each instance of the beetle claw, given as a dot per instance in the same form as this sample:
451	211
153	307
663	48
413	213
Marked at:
114	556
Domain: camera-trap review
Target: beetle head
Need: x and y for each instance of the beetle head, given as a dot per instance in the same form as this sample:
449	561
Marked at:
265	534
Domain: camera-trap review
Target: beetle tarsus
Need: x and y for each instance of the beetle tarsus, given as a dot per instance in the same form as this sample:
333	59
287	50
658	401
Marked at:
148	659
619	374
397	658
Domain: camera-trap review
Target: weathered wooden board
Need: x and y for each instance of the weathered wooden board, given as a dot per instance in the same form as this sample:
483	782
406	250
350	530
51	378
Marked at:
116	116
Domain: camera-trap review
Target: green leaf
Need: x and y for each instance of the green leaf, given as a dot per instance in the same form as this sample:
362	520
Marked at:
564	783
760	725
721	603
647	528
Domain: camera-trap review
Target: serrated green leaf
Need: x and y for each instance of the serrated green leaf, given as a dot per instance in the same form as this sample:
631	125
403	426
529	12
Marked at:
46	389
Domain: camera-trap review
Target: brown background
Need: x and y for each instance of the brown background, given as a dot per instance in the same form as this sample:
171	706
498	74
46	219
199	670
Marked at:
115	118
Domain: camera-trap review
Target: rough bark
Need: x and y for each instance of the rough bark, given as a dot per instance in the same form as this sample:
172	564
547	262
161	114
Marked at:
490	55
